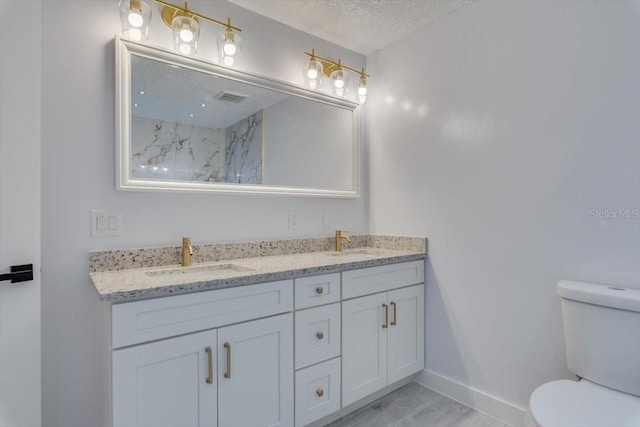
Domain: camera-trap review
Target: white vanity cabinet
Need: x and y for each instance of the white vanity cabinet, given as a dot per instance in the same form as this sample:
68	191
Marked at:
382	333
165	383
226	376
255	373
255	355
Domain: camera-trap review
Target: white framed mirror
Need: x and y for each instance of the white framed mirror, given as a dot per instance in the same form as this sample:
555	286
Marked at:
185	124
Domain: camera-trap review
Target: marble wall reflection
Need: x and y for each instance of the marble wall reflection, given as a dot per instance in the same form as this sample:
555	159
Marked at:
243	150
176	151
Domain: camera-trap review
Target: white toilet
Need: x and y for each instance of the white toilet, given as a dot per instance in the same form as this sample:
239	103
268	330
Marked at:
602	334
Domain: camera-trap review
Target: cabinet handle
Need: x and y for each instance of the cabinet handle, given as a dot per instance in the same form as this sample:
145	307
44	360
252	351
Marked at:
210	364
386	316
320	392
395	313
320	335
227	347
319	290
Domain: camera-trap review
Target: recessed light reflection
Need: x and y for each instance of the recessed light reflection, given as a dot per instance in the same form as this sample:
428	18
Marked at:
142	166
155	168
141	92
191	115
135	105
203	105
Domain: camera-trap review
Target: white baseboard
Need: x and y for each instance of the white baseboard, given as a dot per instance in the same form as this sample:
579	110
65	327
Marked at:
478	400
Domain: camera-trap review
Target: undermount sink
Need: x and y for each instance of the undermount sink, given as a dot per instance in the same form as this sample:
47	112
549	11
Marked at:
362	252
214	269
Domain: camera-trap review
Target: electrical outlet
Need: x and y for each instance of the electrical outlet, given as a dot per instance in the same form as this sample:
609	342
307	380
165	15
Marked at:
293	218
106	223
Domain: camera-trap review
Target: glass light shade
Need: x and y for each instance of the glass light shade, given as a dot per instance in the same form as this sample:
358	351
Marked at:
338	80
229	44
186	32
135	16
362	90
313	73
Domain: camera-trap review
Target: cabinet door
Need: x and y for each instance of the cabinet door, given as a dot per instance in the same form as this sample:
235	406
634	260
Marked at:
255	363
165	383
406	334
364	347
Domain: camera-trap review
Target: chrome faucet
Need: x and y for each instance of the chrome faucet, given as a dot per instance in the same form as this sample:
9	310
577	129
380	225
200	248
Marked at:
339	237
187	251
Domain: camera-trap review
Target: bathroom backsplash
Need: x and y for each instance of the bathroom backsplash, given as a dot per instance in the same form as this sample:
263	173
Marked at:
169	255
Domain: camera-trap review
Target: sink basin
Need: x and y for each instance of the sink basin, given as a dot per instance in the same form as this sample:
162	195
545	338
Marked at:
212	269
361	252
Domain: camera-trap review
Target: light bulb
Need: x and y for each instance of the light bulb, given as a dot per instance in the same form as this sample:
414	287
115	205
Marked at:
338	83
186	35
135	19
362	91
229	49
312	73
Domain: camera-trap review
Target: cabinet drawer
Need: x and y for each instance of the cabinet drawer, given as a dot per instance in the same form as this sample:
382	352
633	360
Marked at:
317	290
148	320
317	391
317	334
366	281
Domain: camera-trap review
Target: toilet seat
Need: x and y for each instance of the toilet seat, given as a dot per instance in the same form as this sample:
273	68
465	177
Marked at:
566	403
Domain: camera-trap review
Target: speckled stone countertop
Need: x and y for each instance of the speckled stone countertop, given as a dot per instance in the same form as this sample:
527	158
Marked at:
161	278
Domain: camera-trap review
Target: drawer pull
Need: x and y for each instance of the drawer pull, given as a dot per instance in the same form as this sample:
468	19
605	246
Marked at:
227	346
386	316
209	352
319	290
320	392
320	335
395	313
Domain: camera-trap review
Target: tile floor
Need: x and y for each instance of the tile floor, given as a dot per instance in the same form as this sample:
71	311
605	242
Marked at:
416	406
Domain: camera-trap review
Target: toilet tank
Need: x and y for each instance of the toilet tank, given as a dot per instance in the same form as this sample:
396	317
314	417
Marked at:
602	333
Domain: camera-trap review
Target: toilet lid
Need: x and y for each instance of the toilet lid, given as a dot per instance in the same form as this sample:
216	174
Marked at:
582	403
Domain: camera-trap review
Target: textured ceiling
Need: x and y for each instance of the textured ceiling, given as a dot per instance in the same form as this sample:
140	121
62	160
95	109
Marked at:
363	26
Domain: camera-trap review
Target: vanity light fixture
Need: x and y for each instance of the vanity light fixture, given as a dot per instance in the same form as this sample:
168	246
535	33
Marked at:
362	87
134	17
317	67
186	29
229	45
186	32
313	71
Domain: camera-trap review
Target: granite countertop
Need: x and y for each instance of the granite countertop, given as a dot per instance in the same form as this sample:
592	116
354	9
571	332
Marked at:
163	280
137	274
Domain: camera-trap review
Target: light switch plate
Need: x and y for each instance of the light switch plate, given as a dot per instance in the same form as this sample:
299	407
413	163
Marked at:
293	218
106	223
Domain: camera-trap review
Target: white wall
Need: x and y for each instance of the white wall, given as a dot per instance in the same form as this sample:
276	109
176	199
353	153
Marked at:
78	175
497	131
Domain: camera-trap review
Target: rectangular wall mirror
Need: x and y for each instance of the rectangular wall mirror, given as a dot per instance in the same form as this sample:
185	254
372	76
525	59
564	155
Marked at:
184	124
